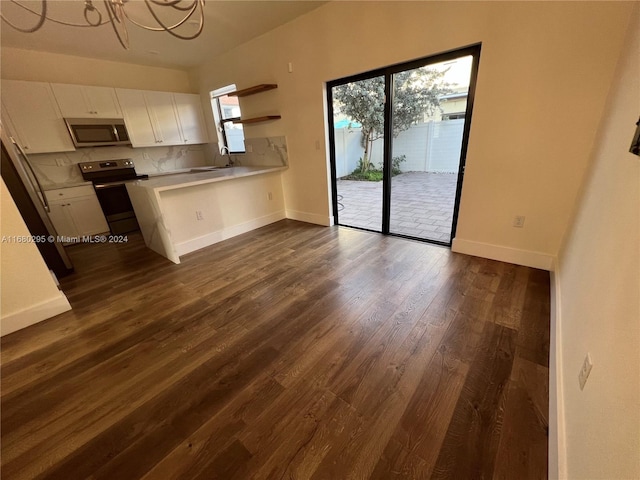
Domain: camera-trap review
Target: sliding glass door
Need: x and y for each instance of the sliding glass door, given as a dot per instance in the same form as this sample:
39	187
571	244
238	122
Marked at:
428	116
358	117
398	140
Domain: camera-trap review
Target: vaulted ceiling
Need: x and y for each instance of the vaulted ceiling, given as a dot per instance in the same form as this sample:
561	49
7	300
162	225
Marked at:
227	24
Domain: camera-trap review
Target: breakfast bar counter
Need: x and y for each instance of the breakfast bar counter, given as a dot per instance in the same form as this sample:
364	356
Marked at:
184	211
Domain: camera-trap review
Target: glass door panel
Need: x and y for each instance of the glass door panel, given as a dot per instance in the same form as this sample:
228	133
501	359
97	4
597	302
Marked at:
428	120
358	126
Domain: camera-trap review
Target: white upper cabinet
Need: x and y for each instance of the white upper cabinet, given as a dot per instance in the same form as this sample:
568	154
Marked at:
163	111
81	101
137	117
35	117
162	118
191	117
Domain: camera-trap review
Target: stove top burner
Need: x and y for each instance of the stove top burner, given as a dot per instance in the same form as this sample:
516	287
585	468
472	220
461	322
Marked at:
106	171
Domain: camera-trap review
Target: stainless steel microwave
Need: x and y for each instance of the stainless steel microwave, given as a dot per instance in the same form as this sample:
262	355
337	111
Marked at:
97	132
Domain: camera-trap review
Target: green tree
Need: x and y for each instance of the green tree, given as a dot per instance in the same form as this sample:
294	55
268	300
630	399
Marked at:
416	93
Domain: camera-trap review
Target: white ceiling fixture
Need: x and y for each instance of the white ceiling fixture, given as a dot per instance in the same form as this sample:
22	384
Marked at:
115	13
227	24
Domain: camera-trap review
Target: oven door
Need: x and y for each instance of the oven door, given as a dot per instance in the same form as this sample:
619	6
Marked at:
117	208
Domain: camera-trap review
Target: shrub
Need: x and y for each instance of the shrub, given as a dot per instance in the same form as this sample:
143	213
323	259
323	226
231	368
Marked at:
369	174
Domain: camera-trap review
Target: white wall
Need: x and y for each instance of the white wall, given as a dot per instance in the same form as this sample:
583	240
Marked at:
599	292
28	293
544	72
19	64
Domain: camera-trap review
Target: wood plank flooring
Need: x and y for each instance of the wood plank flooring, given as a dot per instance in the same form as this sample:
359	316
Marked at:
293	351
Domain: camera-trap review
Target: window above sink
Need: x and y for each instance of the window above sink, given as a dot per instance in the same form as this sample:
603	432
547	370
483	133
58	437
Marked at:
226	112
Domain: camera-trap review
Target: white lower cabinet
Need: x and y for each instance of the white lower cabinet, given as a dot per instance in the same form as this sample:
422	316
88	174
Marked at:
76	212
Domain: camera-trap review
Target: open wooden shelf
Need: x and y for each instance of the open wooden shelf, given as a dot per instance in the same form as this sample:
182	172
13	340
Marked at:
263	87
264	118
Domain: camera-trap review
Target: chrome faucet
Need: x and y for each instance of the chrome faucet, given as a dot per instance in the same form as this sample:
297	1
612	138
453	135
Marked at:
229	159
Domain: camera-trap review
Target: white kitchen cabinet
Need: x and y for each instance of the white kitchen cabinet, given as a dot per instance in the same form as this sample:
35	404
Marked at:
163	110
191	117
76	212
82	101
151	118
137	118
60	216
35	118
162	118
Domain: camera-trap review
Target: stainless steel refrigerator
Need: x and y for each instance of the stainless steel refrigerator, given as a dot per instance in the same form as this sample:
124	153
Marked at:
22	183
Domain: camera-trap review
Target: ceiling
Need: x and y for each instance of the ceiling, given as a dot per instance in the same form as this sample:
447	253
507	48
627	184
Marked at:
227	24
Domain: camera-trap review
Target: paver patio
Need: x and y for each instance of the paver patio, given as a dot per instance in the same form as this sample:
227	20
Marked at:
421	204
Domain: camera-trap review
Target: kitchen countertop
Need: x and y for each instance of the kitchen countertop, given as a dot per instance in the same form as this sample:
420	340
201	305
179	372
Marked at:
56	186
182	212
180	179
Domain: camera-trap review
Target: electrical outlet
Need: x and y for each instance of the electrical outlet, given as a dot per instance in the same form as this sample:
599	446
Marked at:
60	162
587	365
249	148
270	195
518	221
199	215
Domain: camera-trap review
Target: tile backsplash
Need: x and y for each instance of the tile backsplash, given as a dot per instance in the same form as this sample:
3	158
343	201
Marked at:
261	152
61	169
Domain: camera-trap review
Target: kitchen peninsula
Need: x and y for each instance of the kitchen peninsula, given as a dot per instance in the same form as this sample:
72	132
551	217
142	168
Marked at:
184	212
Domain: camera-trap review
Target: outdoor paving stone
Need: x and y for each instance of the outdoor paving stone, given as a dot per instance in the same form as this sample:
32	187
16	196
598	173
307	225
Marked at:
422	203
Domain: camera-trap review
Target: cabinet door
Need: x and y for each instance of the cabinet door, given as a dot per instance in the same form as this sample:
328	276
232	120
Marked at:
191	117
164	113
35	115
60	216
137	118
87	215
79	101
103	101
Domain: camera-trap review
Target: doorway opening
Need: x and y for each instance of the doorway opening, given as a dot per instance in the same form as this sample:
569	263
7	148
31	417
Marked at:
398	142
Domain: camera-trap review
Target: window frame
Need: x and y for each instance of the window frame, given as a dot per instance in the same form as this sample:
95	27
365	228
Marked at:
220	119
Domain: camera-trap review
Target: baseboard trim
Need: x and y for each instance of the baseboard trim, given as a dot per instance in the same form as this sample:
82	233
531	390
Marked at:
214	237
557	433
34	314
310	218
526	258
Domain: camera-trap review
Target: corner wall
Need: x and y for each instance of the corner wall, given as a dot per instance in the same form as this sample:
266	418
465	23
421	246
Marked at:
538	102
28	293
598	285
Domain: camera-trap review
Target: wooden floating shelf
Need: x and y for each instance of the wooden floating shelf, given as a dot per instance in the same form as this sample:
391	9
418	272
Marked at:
253	90
255	119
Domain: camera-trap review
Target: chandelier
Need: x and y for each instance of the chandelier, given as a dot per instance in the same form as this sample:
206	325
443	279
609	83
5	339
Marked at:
115	14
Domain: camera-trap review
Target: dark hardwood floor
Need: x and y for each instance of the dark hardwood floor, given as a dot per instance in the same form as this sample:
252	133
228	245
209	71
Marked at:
294	351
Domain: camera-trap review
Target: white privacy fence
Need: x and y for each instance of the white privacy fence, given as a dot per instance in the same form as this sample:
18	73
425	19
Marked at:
428	147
